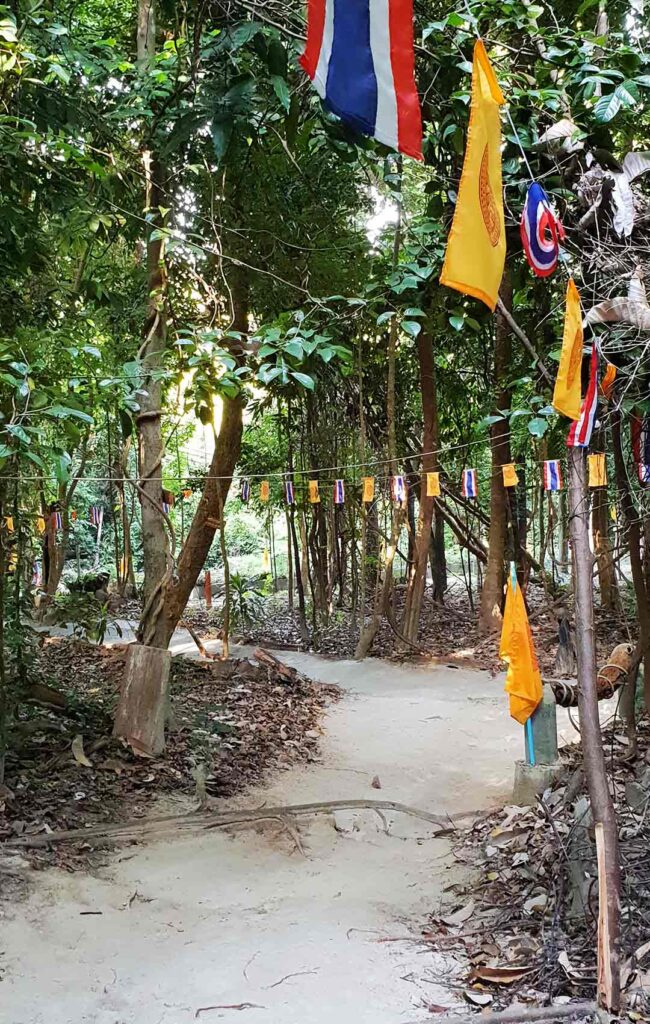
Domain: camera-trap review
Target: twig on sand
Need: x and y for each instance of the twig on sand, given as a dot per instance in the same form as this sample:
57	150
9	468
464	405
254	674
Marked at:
295	974
521	1014
229	1006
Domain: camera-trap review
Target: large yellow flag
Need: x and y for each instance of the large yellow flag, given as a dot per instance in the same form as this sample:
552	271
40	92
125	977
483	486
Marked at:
567	392
476	249
523	681
433	485
597	470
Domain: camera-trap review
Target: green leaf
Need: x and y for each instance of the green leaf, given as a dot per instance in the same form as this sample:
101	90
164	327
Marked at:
383	318
538	426
304	379
221	135
628	93
411	327
414	311
293	348
607	107
63	412
281	90
457	322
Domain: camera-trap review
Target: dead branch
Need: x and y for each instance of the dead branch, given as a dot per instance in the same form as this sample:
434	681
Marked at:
521	1013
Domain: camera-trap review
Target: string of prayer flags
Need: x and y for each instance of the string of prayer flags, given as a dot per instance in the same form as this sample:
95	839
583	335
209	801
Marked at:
245	491
398	489
510	477
339	492
597	470
567	392
476	248
288	492
523	679
361	61
469	484
368	489
314	493
541	232
552	475
607	383
581	431
265	490
97	513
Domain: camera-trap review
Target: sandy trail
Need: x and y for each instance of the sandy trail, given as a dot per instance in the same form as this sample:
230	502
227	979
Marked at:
220	920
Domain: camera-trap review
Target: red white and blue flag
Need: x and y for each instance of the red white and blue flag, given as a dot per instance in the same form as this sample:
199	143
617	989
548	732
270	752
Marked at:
581	429
552	475
288	492
360	57
641	445
339	492
245	491
470	487
541	232
96	515
398	490
57	520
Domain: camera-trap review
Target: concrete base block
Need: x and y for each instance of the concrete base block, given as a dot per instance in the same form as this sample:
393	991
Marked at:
531	780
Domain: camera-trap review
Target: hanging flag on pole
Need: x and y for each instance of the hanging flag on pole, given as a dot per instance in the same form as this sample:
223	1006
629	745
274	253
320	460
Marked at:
397	489
288	492
469	486
97	515
541	232
187	492
476	249
167	502
640	431
523	680
510	477
581	430
360	57
40	524
368	489
245	491
57	520
567	391
597	470
36	574
9	523
73	515
266	561
314	493
552	475
264	490
433	485
339	492
607	383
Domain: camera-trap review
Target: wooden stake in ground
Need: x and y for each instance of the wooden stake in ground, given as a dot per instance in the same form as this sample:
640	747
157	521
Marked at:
602	807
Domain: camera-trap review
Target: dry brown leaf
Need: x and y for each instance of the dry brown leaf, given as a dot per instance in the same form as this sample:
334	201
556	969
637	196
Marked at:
460	915
502	975
78	751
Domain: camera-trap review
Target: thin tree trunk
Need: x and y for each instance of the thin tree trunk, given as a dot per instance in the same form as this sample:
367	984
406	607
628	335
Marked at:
602	806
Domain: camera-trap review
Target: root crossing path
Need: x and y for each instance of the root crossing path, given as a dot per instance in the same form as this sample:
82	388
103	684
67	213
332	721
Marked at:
277	925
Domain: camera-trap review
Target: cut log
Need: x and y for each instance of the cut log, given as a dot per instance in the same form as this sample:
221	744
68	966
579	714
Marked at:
143	705
284	671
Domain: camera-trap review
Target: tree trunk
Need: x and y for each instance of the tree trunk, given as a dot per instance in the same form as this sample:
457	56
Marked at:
594	757
492	594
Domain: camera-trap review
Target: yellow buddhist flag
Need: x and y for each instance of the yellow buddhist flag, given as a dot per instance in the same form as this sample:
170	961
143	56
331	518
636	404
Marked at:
523	681
607	383
567	397
433	485
266	561
40	524
314	496
476	248
264	490
368	489
510	478
597	470
9	523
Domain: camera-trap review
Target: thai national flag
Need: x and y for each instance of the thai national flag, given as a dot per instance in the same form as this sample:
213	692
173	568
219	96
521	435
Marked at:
541	232
581	429
359	55
552	475
57	520
96	515
398	489
470	487
288	492
36	574
245	490
339	492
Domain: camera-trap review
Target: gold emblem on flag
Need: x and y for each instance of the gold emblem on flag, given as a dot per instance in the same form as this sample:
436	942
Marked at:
487	200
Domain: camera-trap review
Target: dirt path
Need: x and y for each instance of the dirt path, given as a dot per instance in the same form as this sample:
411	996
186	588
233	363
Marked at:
222	921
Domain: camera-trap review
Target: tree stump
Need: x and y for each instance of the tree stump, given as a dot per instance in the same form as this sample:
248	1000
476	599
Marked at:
143	705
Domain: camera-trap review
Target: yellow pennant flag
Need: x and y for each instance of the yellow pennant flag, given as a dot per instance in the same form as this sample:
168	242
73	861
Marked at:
510	478
314	496
597	470
523	680
40	524
476	248
264	490
266	561
607	383
433	485
368	489
9	522
567	397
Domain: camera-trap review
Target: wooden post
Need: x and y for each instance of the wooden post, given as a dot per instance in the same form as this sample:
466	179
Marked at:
207	589
143	705
602	807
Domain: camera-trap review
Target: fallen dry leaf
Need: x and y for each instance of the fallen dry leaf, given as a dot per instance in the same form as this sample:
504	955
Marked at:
78	751
459	916
499	975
